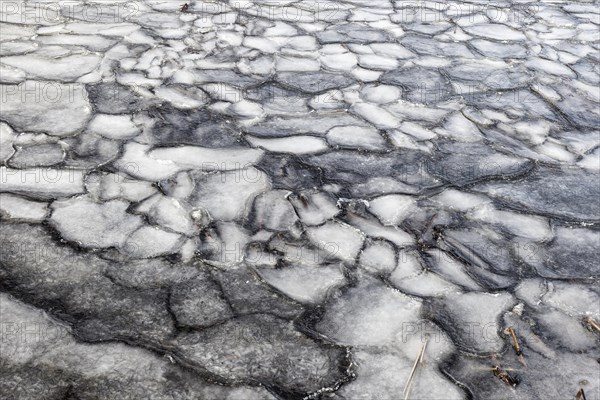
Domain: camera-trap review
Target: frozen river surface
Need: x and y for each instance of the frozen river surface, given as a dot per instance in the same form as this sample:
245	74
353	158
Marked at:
347	200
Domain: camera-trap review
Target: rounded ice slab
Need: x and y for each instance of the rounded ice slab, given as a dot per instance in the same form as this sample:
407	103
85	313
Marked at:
38	106
94	224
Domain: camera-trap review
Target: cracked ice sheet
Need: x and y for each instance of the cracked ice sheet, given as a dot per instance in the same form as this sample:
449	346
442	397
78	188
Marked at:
289	199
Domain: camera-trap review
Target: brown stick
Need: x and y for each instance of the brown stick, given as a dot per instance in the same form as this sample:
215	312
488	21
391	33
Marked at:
515	341
593	323
580	395
418	361
504	376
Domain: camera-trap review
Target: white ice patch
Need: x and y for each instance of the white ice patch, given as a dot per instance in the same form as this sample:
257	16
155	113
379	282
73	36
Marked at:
378	257
338	239
476	317
425	284
417	131
263	44
402	140
293	144
246	109
380	94
37	106
379	117
370	314
460	128
550	67
392	50
375	229
151	241
314	208
227	247
44	183
94	225
574	300
273	211
11	74
359	137
342	62
526	226
534	132
296	64
136	162
114	126
495	31
306	284
170	213
184	100
228	195
19	208
408	266
462	201
108	186
377	62
7	138
452	270
158	164
63	69
366	75
383	375
207	159
556	151
591	161
570	332
392	209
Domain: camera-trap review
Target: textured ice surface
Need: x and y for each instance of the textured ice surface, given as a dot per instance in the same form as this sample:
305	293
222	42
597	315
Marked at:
239	200
94	224
45	106
563	193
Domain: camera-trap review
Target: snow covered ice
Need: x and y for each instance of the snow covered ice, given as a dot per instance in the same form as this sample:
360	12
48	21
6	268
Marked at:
294	199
